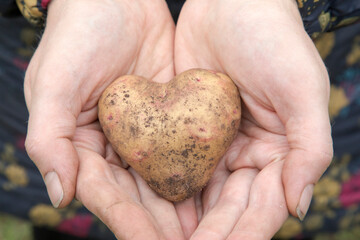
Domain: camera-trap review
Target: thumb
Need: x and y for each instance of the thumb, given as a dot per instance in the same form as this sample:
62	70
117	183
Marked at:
48	143
310	155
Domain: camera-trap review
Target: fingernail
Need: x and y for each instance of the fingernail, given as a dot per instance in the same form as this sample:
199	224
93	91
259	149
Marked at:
305	201
54	188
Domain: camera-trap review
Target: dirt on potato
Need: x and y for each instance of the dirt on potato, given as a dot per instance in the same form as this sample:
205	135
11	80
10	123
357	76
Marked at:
172	134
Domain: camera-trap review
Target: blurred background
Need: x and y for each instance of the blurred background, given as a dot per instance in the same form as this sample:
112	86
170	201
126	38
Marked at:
12	228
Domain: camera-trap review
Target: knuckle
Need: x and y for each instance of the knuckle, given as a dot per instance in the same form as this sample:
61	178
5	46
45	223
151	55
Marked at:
33	147
324	156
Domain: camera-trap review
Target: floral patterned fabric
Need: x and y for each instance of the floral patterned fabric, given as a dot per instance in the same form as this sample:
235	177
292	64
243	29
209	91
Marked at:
34	10
325	15
335	209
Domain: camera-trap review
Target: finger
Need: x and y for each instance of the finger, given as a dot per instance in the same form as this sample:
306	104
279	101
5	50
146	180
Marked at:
267	210
86	116
162	210
214	187
218	222
307	160
113	158
188	217
49	145
90	137
309	137
114	200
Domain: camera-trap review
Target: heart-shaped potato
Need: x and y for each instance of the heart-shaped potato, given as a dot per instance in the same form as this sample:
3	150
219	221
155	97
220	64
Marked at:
172	134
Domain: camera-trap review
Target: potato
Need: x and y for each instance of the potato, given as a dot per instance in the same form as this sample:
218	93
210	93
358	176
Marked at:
172	134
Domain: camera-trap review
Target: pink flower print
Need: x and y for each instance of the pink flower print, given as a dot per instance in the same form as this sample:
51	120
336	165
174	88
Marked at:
77	226
44	3
350	192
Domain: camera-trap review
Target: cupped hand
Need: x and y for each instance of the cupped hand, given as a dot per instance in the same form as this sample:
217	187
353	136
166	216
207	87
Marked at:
284	143
85	46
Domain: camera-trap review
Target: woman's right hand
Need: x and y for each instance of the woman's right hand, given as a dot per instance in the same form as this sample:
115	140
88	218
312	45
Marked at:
284	142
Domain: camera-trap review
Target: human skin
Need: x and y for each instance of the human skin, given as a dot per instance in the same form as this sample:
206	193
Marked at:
284	143
85	46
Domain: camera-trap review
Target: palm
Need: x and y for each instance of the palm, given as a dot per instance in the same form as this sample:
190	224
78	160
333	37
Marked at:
284	90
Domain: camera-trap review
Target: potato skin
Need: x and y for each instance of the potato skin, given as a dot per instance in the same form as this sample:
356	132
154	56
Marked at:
172	134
